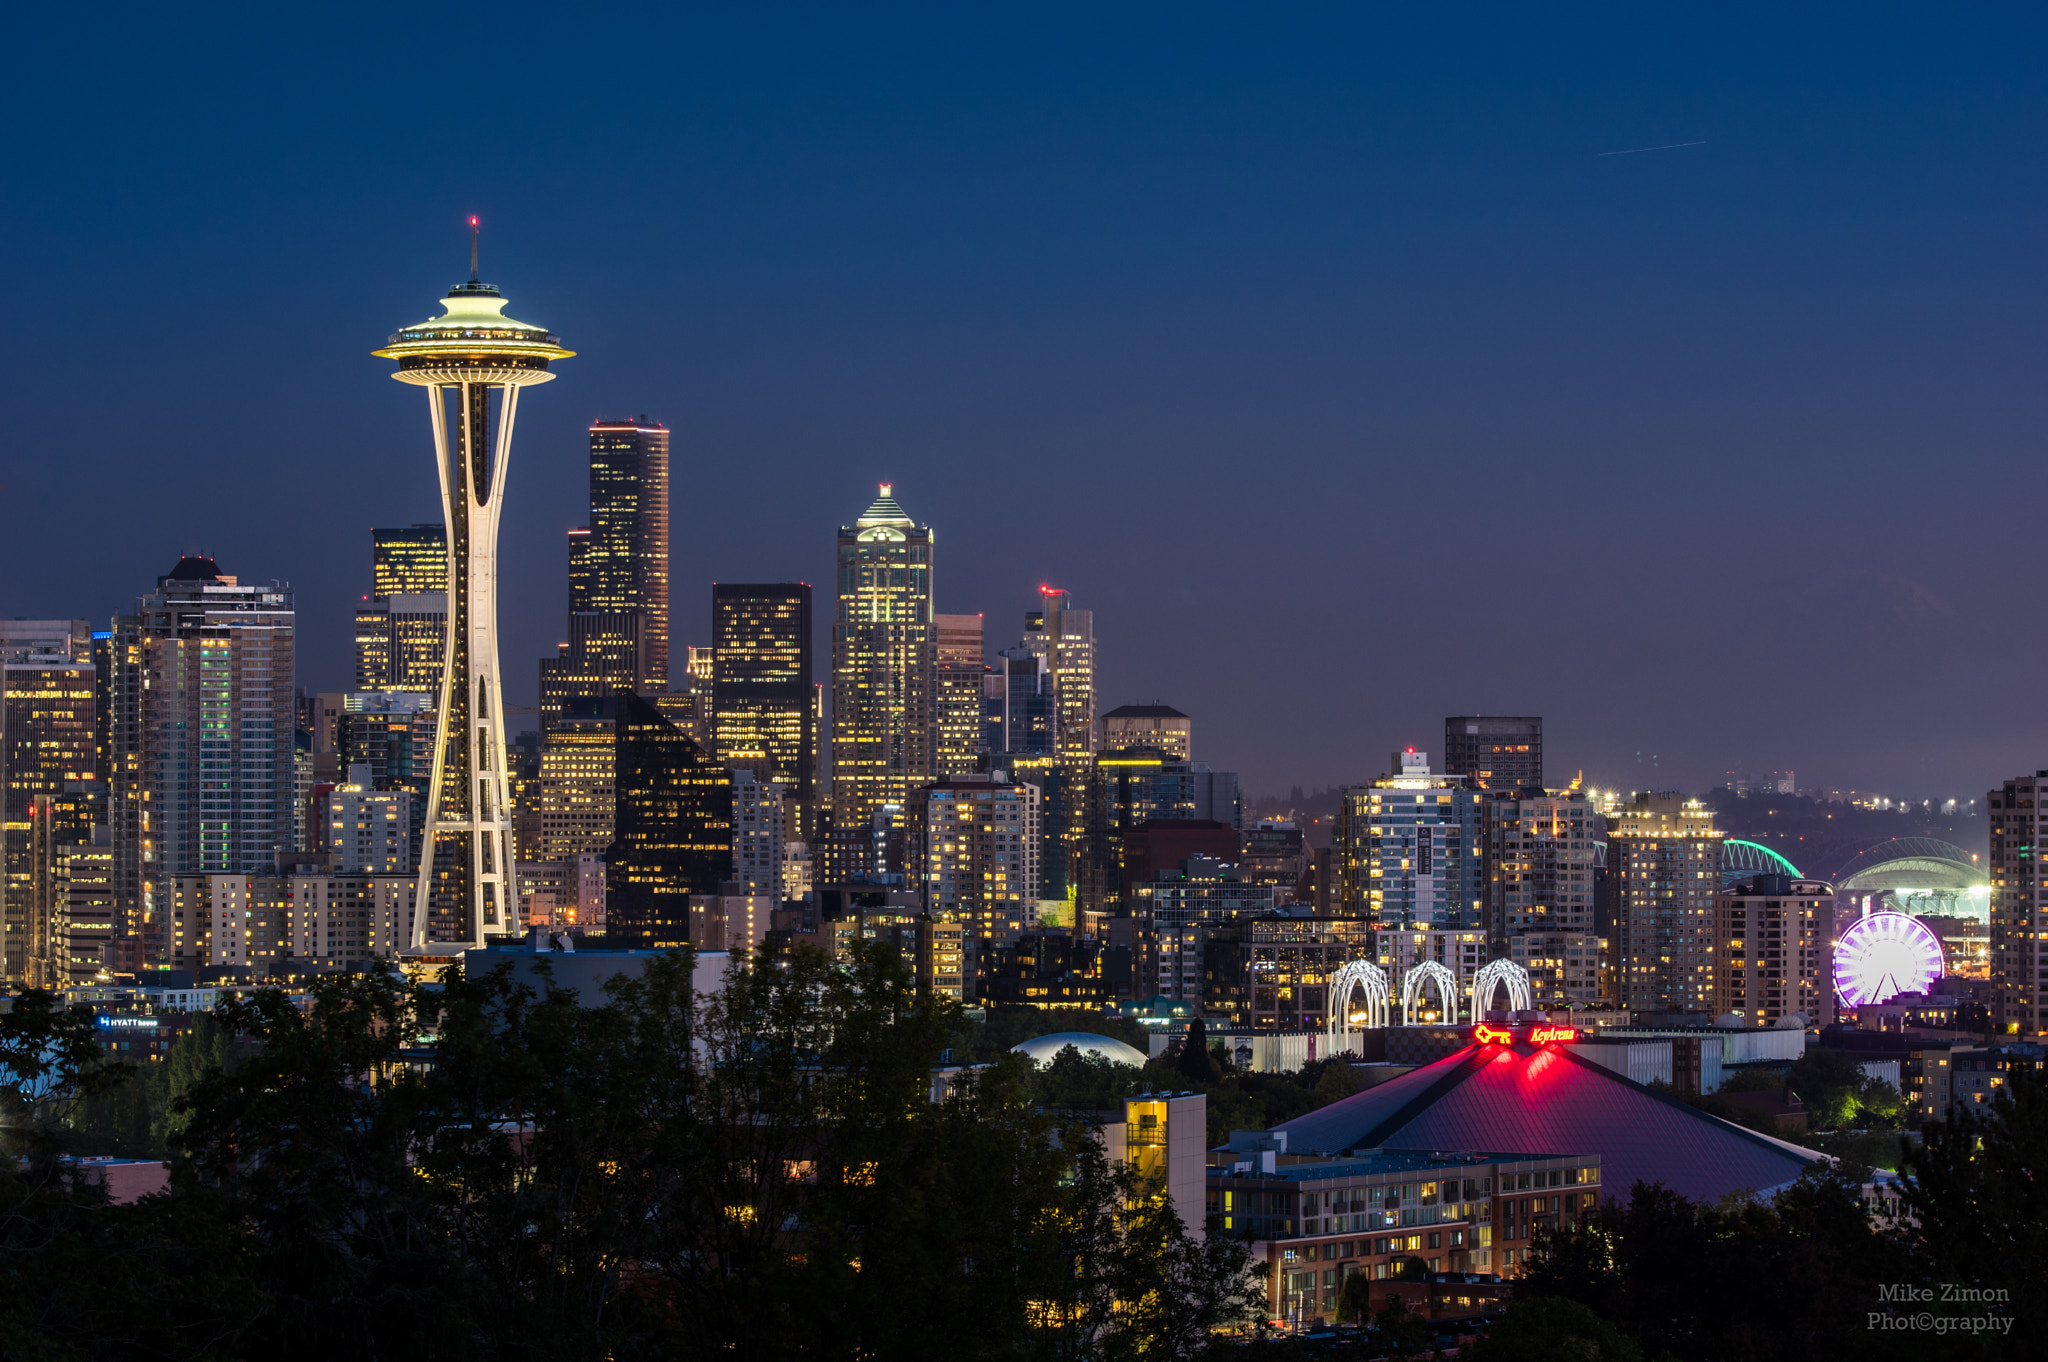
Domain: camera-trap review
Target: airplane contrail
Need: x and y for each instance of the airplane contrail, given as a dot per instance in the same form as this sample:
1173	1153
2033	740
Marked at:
1668	146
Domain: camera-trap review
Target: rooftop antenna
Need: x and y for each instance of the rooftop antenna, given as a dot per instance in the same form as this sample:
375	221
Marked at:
472	249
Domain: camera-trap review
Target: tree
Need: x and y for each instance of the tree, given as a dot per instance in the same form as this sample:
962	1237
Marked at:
1552	1329
1976	1197
1196	1063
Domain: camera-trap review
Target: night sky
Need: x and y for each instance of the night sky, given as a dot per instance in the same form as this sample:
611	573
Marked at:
1324	351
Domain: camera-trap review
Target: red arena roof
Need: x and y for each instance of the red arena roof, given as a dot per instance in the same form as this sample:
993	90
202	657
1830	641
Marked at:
1524	1096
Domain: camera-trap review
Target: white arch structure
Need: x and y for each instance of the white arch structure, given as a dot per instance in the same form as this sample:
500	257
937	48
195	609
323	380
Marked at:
1378	1002
1520	998
1429	972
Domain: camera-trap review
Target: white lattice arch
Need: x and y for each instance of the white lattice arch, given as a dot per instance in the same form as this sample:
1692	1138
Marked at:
1378	1002
1520	999
1429	972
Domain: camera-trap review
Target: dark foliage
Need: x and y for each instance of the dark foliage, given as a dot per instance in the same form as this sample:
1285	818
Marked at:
758	1176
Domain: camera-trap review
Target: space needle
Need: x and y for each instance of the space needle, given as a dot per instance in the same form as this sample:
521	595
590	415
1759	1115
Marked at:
467	887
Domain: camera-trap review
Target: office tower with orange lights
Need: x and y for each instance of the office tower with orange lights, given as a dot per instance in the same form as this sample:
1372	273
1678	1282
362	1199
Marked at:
883	658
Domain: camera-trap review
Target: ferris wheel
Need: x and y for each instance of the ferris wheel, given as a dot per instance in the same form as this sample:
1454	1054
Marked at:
1884	955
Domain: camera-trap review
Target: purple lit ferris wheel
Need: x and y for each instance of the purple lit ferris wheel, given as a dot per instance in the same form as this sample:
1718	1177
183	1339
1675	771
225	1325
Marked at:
1884	955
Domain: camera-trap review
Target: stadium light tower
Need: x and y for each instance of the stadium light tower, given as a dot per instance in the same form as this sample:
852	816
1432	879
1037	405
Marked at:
467	887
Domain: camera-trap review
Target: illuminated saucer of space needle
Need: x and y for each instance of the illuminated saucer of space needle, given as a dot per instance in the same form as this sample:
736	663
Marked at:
473	341
1884	955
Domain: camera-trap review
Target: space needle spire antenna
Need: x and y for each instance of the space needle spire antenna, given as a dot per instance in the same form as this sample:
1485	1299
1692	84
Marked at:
468	890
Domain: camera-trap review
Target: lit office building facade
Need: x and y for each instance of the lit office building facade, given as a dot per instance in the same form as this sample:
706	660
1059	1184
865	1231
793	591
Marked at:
625	568
882	667
1161	727
1663	871
957	694
672	814
575	793
400	641
761	689
1498	753
409	560
48	778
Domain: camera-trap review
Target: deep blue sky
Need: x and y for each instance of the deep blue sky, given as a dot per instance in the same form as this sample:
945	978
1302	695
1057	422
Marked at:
1320	350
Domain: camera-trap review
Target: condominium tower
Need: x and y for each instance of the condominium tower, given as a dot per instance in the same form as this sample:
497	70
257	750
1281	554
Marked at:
1663	870
201	728
2019	905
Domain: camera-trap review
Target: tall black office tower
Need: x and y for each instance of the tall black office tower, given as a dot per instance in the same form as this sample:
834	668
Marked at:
673	825
618	632
1504	752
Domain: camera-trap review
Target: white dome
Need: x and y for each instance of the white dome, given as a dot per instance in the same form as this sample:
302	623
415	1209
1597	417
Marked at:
1042	1050
1728	1019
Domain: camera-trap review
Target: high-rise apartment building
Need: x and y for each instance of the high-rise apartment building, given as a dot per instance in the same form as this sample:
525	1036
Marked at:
1157	726
1408	848
760	829
369	831
1663	870
2019	905
1774	940
409	560
761	689
202	728
882	666
975	848
1542	854
1499	753
957	694
82	884
1179	910
46	754
673	816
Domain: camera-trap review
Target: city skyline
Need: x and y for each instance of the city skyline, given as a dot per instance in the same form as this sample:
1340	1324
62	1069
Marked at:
1316	296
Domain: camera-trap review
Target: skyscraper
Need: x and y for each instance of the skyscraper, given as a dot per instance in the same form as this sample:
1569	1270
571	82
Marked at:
956	694
401	640
47	771
1067	638
761	679
1774	940
2019	903
1157	726
674	821
410	560
468	884
1663	869
1541	849
1499	753
882	665
625	565
202	725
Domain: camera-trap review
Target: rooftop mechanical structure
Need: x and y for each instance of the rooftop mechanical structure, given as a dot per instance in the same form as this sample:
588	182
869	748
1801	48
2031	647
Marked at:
468	889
